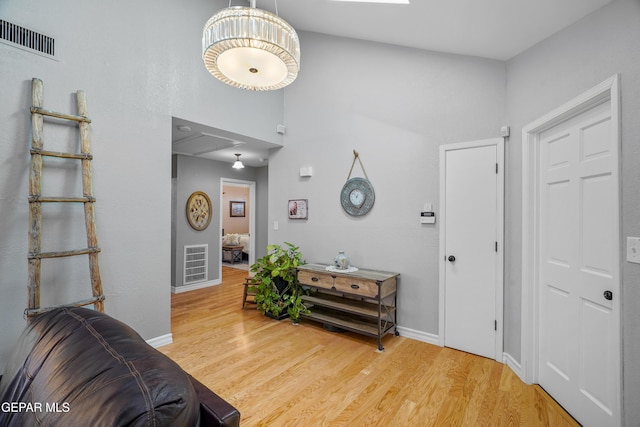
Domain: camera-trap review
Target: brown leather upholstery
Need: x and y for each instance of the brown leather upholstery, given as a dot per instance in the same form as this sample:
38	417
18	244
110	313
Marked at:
213	410
79	367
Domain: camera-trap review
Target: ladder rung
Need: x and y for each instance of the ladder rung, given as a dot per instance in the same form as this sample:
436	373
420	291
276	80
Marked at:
60	115
63	155
30	312
34	199
34	255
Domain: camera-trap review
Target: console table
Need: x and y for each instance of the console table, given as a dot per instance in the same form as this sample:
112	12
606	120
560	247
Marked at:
363	301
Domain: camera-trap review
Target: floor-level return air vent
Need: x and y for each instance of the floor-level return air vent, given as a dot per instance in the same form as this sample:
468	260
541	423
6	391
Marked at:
27	39
195	263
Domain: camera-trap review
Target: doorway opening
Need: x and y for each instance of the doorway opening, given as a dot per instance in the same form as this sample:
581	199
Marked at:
237	223
201	157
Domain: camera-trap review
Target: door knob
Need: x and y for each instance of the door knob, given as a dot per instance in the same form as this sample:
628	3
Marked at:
451	258
608	295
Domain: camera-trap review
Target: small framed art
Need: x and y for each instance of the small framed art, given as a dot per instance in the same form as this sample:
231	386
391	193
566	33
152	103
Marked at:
236	209
298	209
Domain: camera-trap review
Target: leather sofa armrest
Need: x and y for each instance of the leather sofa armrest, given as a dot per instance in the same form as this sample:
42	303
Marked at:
214	411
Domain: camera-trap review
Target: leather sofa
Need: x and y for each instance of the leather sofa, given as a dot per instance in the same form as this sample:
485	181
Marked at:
79	367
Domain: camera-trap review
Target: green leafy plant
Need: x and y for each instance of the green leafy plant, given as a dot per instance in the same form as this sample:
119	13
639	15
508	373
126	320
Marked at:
275	283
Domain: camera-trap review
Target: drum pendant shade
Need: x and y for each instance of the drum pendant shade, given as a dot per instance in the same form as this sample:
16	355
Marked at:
251	48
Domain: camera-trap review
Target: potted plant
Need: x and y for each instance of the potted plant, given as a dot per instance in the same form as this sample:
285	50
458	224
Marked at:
274	282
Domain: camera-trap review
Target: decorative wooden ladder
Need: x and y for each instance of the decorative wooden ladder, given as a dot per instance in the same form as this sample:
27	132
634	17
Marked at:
36	200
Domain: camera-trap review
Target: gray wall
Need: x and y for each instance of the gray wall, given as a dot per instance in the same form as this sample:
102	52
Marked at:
545	77
196	174
136	78
395	106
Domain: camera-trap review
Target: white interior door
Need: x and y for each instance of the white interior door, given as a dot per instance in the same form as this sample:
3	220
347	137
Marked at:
578	286
472	228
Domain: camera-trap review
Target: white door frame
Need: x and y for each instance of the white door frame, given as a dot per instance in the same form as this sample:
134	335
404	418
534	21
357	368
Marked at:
499	143
607	90
252	215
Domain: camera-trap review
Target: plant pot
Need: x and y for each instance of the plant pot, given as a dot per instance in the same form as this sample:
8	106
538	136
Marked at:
273	316
281	284
332	328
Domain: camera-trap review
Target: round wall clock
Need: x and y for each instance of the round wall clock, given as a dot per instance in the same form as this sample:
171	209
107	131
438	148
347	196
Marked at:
199	210
357	196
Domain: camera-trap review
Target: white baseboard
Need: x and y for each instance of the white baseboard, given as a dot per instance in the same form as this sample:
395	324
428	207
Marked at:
434	339
160	341
508	360
200	285
418	335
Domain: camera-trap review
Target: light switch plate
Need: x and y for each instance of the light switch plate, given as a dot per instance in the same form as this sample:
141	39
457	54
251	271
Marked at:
633	249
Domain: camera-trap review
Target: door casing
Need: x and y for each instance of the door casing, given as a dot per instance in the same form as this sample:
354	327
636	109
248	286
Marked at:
607	90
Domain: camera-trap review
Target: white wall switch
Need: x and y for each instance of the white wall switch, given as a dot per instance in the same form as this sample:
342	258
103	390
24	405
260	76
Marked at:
275	225
633	249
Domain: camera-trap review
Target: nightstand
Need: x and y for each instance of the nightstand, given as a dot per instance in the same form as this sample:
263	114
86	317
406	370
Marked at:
232	254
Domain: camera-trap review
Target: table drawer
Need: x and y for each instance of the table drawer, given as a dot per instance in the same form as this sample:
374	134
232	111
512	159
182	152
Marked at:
356	286
315	279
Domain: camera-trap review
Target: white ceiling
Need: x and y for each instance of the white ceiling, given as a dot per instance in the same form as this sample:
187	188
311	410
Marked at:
496	29
195	139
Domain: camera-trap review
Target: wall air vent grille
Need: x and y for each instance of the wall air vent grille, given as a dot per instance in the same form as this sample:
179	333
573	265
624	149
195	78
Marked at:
195	263
24	38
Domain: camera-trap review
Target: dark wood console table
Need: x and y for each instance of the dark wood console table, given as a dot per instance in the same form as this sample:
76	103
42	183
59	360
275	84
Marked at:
363	301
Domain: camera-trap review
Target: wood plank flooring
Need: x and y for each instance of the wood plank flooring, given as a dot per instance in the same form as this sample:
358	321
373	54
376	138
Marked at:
278	374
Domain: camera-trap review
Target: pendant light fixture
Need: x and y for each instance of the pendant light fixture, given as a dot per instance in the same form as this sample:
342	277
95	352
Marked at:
238	164
251	48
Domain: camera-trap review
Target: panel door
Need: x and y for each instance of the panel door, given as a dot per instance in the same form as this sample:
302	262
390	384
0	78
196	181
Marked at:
470	249
578	348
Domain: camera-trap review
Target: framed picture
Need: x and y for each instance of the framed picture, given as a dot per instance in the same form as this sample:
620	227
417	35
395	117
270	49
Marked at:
236	209
298	209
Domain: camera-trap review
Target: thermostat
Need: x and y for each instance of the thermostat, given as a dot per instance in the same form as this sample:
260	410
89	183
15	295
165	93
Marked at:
427	218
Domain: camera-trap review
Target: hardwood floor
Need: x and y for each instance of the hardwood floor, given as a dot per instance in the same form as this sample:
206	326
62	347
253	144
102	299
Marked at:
278	374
